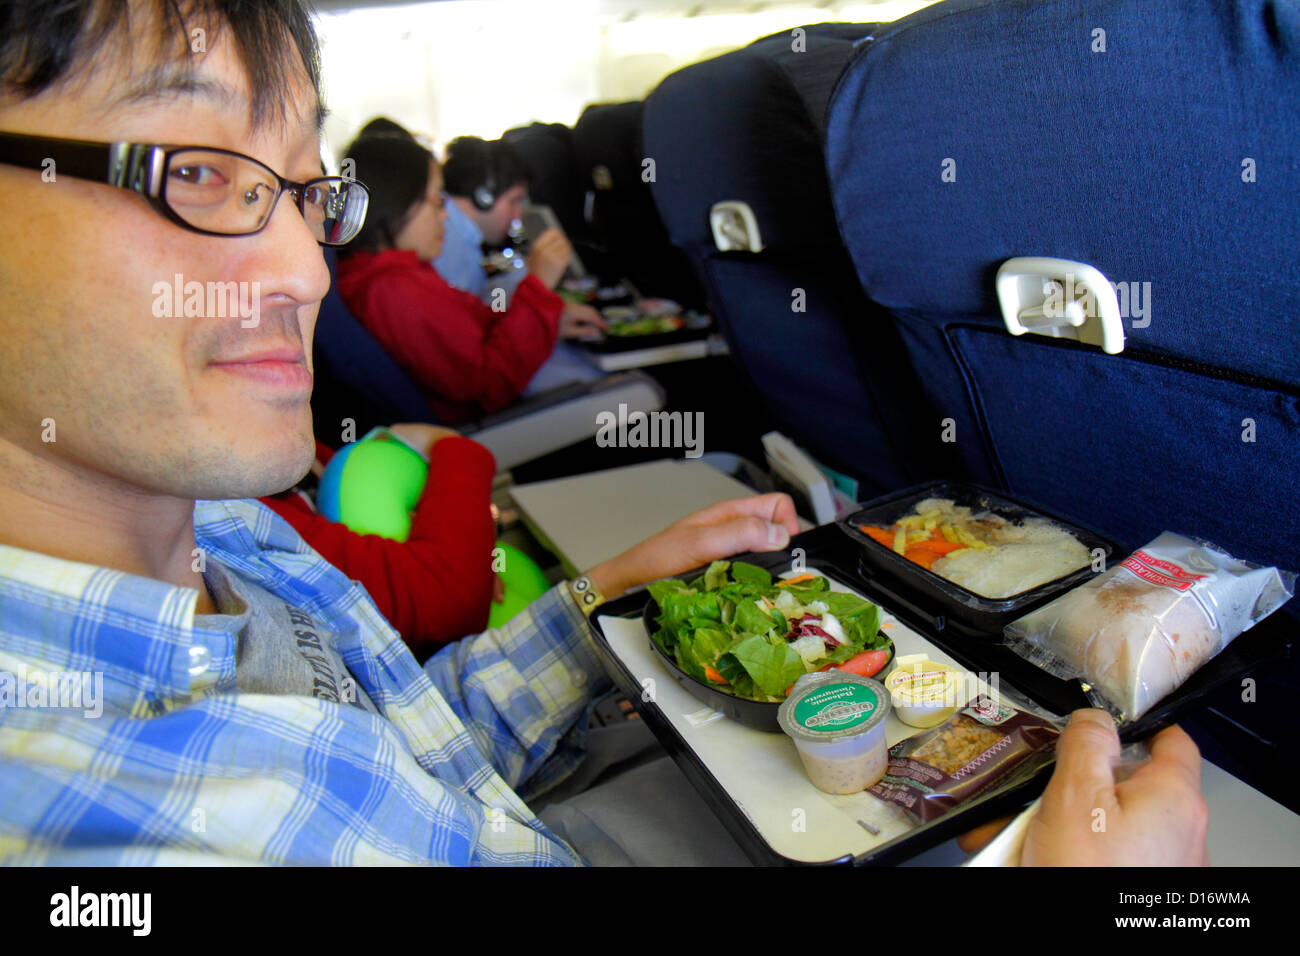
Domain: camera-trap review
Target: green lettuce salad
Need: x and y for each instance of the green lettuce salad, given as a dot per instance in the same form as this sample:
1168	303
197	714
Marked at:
736	630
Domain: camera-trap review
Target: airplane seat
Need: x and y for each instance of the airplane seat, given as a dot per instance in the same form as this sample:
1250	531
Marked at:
557	181
612	158
739	136
1154	142
972	133
355	377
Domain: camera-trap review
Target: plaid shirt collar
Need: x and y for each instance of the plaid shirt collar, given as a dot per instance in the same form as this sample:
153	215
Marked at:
179	662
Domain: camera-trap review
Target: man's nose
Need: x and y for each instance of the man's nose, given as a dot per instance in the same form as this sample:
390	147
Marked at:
290	257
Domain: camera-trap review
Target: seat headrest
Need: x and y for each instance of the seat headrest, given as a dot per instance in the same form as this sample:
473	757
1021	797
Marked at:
746	126
609	135
1153	140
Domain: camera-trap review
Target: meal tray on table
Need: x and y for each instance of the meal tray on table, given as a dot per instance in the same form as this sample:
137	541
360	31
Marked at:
754	781
612	344
692	327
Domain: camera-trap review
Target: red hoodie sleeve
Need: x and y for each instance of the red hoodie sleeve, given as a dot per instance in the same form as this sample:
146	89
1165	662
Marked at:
454	344
436	586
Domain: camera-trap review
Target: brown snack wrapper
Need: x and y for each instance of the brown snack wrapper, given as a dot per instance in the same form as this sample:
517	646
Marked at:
976	750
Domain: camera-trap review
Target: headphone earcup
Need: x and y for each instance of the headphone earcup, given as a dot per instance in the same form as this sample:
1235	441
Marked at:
484	198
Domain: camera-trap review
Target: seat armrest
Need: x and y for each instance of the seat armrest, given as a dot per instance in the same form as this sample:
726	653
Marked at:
562	416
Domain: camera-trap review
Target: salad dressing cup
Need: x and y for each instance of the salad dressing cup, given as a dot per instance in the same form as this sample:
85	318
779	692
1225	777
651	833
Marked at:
837	722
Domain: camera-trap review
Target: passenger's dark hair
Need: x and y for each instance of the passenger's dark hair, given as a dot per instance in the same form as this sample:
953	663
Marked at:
472	162
383	126
45	42
396	171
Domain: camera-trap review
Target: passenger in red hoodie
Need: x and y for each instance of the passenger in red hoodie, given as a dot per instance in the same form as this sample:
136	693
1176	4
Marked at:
469	359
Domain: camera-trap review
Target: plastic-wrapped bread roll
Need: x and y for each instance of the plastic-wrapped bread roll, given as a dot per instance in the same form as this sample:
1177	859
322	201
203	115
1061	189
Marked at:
1138	631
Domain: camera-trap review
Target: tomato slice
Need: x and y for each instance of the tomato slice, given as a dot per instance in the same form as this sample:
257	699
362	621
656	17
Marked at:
866	664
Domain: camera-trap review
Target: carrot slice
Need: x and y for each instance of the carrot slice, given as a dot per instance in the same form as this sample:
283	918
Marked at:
714	676
883	535
797	580
939	547
922	556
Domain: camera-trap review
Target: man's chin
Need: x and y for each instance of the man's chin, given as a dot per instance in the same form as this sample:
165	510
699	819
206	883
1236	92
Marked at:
256	462
251	478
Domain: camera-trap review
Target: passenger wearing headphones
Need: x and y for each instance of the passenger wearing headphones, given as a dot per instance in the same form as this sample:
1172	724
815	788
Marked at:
487	186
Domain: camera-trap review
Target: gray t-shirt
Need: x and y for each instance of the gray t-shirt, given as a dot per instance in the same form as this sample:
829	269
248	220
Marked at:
281	649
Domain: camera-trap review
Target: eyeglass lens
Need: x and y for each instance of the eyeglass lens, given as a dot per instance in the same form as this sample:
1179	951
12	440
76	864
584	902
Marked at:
234	195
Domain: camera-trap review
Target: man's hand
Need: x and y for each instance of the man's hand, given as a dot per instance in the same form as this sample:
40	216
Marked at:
421	436
761	523
549	257
1156	817
579	321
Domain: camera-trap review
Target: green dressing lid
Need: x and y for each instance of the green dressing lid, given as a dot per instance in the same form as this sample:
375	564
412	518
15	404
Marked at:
832	704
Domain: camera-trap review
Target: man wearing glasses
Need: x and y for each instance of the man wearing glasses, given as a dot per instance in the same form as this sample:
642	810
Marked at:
180	677
235	696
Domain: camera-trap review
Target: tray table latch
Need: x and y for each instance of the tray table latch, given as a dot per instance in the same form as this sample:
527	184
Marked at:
1060	298
735	227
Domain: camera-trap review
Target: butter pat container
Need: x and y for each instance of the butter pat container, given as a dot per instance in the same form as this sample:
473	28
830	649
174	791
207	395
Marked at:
925	693
837	723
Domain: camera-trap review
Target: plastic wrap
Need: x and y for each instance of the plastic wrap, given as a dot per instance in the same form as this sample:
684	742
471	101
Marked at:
1135	633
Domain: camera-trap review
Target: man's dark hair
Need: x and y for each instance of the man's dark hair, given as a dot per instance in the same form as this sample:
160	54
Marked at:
396	171
383	126
472	162
45	42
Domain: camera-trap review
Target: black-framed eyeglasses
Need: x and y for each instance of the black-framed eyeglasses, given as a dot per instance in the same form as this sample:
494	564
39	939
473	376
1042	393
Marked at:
216	192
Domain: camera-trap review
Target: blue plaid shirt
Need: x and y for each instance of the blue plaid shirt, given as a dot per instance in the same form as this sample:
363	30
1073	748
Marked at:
178	766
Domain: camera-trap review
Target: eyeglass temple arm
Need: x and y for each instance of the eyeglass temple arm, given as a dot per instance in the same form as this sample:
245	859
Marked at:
128	165
79	160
